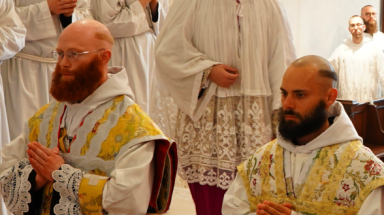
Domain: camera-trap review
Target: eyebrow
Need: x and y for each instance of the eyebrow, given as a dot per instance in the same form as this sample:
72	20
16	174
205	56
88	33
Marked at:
295	91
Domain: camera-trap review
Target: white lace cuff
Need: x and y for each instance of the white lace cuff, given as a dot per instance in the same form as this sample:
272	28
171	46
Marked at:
67	183
15	187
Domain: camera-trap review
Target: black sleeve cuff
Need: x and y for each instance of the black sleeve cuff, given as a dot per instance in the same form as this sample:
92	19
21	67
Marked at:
155	17
36	196
65	21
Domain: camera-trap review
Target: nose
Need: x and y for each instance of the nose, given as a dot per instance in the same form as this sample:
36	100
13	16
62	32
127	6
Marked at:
65	62
288	102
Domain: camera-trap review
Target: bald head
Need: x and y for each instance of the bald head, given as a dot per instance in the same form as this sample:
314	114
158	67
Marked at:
89	32
320	66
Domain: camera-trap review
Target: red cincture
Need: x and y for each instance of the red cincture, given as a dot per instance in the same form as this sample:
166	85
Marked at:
58	133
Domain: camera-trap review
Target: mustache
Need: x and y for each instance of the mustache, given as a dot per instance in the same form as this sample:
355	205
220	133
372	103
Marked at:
290	112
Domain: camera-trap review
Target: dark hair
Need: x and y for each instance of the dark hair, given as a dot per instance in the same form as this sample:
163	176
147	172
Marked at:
329	74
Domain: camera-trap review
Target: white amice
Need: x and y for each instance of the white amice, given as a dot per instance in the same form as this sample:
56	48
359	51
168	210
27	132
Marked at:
378	38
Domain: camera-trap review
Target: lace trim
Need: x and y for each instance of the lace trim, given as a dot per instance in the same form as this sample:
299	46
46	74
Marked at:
230	130
67	183
87	163
15	187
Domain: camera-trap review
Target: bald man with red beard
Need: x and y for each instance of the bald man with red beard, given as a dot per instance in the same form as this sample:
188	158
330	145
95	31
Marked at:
92	149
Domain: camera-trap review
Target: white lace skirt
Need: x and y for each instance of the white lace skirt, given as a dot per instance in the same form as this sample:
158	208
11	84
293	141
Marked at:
230	130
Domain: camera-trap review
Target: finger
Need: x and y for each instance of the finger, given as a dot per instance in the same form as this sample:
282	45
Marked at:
67	6
56	150
287	205
277	207
45	150
270	210
68	1
231	69
36	165
35	156
67	11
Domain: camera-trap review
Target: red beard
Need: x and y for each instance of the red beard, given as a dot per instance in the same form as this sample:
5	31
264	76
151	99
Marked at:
371	27
86	80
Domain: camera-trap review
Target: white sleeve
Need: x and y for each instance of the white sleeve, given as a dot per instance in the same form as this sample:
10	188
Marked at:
129	189
373	204
38	21
162	14
334	60
12	30
281	51
181	74
14	173
380	68
81	11
236	200
122	18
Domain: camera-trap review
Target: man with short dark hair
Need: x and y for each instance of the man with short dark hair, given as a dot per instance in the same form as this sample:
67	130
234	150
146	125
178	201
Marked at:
359	64
318	164
369	15
92	149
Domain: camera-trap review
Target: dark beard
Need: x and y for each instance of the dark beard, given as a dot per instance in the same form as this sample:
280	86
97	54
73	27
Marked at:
371	27
86	81
291	131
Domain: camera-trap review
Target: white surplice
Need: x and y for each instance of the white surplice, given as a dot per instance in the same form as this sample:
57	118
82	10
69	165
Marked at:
360	70
218	131
378	38
134	32
27	81
298	162
12	40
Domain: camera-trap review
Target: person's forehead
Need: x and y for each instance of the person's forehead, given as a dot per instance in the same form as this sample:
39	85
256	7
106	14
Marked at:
76	40
369	9
354	20
303	77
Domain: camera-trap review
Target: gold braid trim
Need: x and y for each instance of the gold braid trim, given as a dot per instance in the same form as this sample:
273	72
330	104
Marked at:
51	122
243	174
315	176
339	170
264	170
101	121
34	123
279	171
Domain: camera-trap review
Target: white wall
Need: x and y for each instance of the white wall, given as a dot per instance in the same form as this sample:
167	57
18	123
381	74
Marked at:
319	26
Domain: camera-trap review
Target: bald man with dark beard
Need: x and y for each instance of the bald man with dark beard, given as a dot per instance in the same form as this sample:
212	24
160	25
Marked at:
92	149
317	164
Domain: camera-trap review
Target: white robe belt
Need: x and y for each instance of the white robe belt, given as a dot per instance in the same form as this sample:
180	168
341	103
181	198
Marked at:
36	58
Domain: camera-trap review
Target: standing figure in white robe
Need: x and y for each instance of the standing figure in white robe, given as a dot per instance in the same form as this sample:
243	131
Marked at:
222	62
359	63
134	24
27	76
12	40
369	15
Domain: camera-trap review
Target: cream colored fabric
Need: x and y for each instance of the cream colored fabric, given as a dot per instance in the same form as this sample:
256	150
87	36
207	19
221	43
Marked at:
360	70
26	82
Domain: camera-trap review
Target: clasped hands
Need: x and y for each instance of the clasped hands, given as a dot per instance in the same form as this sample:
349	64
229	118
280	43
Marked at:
44	161
272	208
65	7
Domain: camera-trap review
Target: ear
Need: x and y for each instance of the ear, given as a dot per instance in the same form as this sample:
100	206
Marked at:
106	56
331	96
